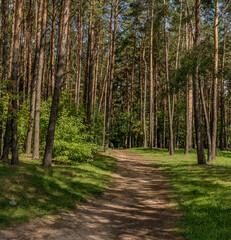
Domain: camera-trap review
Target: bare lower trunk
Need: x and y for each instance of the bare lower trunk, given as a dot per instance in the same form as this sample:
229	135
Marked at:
215	84
111	78
196	94
222	103
151	118
34	80
39	83
14	77
145	96
170	103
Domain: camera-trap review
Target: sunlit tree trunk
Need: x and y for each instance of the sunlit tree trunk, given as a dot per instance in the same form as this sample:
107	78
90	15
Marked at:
34	79
39	82
196	93
111	77
170	103
215	84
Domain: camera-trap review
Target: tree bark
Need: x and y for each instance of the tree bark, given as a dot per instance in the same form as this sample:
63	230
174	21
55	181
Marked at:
111	77
151	118
222	99
64	19
215	84
170	105
39	82
14	77
196	92
34	80
145	94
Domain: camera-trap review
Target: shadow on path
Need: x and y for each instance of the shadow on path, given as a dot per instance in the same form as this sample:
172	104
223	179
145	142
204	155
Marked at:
136	207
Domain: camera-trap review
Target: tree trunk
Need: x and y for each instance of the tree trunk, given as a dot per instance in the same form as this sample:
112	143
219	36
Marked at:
222	104
78	58
145	94
39	82
132	94
64	20
14	77
196	93
111	78
52	63
215	84
29	50
170	108
34	80
151	118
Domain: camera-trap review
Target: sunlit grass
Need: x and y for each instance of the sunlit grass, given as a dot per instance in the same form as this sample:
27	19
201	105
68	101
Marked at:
203	192
38	192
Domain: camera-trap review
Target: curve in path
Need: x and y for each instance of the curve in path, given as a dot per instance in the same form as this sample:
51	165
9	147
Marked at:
136	207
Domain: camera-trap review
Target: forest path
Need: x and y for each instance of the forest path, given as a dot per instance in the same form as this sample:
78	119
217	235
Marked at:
136	207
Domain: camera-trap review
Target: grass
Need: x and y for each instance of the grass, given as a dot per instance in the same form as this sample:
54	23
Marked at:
203	193
39	192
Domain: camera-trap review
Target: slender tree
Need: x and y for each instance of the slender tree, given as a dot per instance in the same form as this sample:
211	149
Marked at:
63	25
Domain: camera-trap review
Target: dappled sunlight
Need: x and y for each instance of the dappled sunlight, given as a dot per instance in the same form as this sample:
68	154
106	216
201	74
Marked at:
136	207
202	192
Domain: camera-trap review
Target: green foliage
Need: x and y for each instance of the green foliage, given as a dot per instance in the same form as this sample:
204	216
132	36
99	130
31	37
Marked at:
30	191
23	123
202	192
72	139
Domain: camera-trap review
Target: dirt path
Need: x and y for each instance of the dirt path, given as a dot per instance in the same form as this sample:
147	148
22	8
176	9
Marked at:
135	208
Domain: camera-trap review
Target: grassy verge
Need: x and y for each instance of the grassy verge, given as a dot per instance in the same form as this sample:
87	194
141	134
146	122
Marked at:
203	192
30	191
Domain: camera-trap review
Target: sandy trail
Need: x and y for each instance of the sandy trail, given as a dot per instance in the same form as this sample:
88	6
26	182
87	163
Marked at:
136	207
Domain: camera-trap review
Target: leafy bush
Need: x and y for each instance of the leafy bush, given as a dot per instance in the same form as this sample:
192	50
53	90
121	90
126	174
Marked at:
72	138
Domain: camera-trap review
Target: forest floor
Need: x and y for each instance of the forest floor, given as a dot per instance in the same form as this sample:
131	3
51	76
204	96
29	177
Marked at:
136	207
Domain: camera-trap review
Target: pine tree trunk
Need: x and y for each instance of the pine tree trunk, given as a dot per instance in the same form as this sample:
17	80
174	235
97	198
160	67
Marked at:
64	20
34	80
215	84
39	81
170	105
151	118
78	57
196	94
132	94
156	101
29	50
14	77
145	95
52	63
111	77
222	104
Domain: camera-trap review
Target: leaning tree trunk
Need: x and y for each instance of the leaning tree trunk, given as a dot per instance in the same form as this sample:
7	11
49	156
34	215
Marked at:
64	19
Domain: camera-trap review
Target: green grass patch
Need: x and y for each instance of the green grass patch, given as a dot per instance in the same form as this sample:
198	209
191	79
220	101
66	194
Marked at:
30	191
202	192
